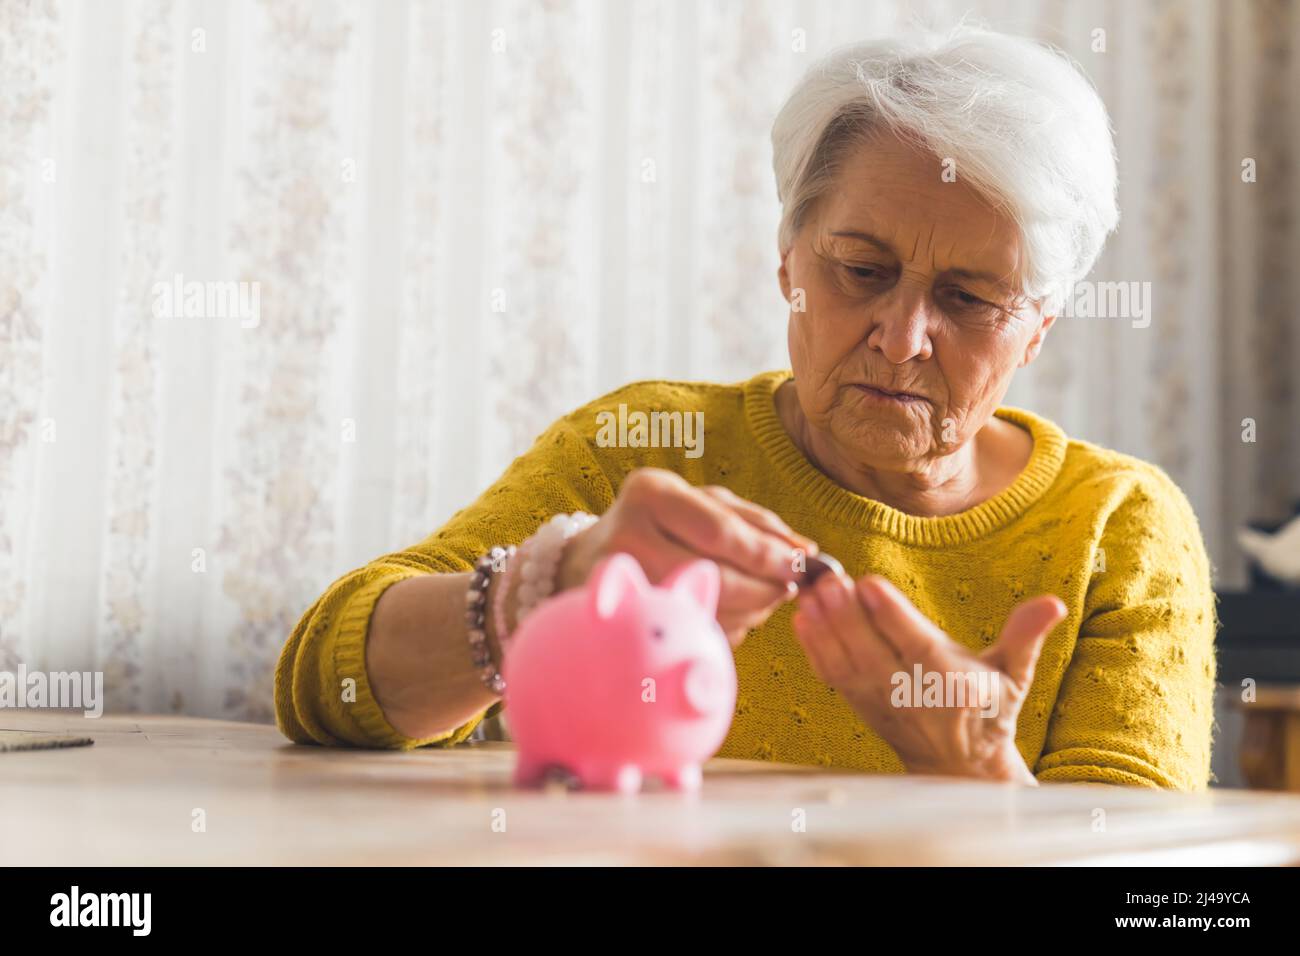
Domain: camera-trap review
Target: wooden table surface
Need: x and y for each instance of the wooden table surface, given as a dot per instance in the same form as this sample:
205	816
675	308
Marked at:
131	799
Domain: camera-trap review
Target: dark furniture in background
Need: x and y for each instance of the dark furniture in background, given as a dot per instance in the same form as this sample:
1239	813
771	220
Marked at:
1259	637
1260	640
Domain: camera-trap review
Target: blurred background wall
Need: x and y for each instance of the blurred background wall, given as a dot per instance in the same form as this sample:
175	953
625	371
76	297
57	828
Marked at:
465	218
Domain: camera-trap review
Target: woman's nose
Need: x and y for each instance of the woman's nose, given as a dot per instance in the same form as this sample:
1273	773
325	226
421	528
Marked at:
901	326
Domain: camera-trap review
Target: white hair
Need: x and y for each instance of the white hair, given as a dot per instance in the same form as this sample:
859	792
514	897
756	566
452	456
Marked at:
1022	124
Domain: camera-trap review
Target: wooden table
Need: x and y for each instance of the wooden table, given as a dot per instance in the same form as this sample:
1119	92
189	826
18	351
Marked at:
1270	743
131	799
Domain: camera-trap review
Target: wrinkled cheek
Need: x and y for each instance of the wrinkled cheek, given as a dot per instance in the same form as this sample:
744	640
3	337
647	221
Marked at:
978	389
965	376
814	365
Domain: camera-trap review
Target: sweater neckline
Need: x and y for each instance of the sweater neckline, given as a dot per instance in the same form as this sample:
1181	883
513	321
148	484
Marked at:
866	514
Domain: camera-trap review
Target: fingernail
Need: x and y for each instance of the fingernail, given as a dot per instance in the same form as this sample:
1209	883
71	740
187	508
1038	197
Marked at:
832	592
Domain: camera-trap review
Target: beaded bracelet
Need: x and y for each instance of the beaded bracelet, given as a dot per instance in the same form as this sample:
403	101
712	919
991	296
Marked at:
499	599
476	619
540	559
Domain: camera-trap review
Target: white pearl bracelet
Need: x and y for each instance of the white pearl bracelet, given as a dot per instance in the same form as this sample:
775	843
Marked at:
539	559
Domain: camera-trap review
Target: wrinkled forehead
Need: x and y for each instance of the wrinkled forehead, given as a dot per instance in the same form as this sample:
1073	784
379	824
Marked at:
896	199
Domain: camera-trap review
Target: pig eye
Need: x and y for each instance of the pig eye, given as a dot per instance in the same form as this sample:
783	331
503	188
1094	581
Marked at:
658	632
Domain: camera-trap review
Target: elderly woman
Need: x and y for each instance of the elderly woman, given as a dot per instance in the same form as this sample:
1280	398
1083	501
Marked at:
938	197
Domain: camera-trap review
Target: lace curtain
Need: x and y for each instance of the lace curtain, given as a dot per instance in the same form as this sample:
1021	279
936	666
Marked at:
465	218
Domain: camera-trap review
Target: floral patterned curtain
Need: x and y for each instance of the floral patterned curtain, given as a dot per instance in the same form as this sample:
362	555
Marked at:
461	219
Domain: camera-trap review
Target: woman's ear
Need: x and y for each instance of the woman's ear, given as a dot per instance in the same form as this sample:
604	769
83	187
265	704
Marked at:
783	275
1035	343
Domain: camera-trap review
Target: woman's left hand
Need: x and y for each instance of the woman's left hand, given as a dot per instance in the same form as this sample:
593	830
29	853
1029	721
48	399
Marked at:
865	640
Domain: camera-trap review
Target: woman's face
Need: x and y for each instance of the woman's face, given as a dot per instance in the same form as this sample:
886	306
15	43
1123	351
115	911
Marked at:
904	278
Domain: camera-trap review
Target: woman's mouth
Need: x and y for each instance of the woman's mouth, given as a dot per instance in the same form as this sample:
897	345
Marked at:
886	395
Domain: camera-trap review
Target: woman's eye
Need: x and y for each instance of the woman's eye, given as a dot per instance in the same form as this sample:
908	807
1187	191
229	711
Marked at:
864	272
966	298
971	308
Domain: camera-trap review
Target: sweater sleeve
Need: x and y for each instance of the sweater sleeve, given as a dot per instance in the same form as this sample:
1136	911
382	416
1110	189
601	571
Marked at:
322	694
1136	704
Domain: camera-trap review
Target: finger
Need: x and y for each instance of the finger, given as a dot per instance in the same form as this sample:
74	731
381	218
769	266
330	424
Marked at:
819	642
701	523
1022	638
748	602
743	592
866	651
912	635
761	517
736	636
740	596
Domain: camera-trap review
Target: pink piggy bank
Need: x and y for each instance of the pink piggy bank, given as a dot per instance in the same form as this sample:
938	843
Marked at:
620	679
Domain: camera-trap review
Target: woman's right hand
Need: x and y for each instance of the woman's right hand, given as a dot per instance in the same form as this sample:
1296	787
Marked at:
664	521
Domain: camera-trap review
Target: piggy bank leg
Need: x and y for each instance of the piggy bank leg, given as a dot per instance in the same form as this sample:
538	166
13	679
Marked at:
625	778
628	779
688	778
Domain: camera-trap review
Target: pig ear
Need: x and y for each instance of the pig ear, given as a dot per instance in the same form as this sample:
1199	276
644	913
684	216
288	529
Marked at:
700	581
615	580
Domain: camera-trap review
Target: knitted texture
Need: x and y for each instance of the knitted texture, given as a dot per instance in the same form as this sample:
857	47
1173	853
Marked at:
1123	691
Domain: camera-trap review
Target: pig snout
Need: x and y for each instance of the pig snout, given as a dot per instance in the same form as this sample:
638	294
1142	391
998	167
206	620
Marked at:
704	687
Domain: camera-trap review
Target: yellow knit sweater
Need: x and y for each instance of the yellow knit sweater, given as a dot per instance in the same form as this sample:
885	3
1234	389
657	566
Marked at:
1123	690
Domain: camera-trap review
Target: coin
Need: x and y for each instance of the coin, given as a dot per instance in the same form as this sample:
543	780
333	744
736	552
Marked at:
816	565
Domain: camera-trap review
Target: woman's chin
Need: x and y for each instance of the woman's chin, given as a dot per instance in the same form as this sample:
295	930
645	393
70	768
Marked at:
890	437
